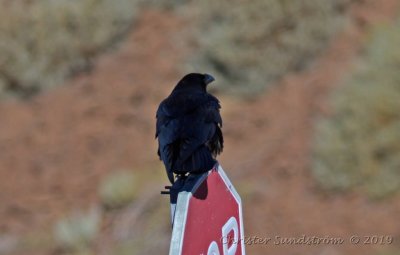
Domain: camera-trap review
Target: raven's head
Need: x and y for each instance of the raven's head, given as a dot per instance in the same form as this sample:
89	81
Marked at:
194	81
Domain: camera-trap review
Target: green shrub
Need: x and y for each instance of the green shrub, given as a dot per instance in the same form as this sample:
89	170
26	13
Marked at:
43	42
359	145
118	189
77	231
250	45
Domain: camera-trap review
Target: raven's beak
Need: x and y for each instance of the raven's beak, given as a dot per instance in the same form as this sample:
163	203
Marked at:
208	79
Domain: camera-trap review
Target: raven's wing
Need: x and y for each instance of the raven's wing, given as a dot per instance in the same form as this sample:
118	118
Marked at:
216	142
167	132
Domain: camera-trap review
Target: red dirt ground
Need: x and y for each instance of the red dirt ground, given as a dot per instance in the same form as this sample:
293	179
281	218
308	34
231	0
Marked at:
55	149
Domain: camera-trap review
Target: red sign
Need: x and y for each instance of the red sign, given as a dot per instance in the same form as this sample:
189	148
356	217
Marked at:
208	218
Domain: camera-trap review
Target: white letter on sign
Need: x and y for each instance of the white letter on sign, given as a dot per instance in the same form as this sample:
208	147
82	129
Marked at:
230	225
213	249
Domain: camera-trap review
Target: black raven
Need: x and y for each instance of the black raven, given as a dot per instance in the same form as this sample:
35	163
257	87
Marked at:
188	127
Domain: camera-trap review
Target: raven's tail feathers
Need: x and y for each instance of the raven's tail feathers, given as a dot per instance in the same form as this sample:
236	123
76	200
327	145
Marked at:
200	161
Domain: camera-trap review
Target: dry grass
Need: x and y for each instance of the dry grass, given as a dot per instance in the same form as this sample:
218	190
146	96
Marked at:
76	232
43	42
359	145
118	189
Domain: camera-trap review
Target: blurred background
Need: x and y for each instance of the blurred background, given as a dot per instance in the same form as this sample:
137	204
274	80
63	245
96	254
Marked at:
310	94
